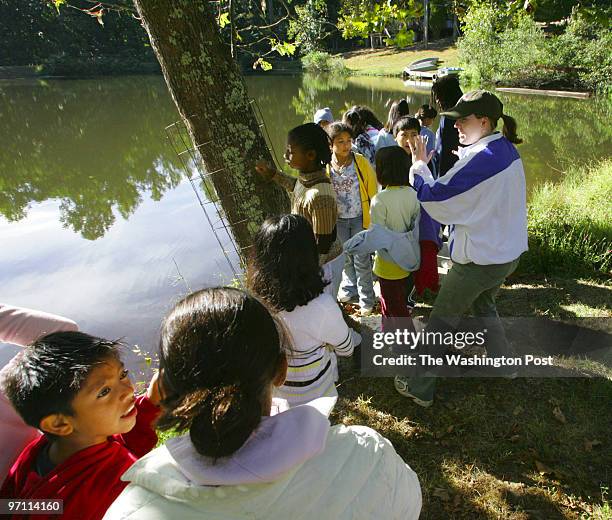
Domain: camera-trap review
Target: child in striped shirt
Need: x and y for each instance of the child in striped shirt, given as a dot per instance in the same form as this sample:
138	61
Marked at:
284	272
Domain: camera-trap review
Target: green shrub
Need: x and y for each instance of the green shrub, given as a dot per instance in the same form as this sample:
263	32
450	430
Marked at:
570	224
498	47
318	61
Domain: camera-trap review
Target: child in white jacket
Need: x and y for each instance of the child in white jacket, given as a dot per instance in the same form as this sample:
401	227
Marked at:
221	356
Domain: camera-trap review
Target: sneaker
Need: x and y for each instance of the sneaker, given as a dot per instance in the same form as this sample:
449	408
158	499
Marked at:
401	385
410	301
347	298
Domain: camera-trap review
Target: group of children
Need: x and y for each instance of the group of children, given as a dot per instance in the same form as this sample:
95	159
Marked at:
248	376
346	183
229	360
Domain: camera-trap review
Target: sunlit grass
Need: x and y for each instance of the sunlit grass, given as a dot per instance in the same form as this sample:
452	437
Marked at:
391	62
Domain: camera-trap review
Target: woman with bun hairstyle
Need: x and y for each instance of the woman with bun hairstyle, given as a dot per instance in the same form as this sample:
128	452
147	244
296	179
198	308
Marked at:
221	357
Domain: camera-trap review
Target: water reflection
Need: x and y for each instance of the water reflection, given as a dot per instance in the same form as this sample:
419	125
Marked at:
96	225
96	145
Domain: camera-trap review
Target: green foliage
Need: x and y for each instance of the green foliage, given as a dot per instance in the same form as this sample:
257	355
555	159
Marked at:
504	46
36	31
570	223
359	18
308	28
283	48
319	61
223	19
265	65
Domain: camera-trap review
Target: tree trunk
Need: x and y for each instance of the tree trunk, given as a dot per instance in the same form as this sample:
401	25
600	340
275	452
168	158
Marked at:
210	94
426	23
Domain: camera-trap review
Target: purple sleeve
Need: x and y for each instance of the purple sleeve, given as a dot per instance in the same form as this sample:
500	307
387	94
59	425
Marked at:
429	229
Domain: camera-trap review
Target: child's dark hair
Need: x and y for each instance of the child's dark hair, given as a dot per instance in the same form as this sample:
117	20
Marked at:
393	166
352	118
426	112
310	136
406	123
284	268
399	108
220	350
337	128
369	117
445	92
44	378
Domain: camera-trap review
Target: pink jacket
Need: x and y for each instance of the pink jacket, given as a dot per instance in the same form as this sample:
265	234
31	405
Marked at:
21	327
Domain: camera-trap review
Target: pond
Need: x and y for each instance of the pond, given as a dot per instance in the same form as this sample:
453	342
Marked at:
98	223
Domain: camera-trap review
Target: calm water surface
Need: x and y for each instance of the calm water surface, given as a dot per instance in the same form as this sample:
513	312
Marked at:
97	222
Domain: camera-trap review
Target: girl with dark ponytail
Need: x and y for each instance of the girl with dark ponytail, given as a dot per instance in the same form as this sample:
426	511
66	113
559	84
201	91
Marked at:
220	389
243	454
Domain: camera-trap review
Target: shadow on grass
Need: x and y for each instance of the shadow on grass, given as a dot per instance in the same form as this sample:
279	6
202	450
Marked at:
492	448
554	297
495	448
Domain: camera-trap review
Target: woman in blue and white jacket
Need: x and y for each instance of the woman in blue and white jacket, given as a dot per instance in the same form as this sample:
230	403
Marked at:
483	200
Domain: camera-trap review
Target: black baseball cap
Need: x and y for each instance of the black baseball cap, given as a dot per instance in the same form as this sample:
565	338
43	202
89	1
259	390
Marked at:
481	102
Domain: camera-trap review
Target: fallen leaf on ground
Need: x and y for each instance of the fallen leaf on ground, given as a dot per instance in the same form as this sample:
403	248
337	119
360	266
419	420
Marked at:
517	410
559	415
589	445
554	401
515	438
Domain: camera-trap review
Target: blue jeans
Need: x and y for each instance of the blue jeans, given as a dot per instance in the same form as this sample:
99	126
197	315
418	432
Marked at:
357	275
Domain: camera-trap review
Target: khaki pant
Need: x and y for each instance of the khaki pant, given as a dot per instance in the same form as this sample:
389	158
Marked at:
467	287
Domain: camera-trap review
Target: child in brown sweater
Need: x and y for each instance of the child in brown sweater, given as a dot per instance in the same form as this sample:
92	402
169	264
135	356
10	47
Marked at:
312	194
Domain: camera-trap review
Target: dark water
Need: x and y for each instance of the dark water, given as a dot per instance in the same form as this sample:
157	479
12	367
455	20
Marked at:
97	222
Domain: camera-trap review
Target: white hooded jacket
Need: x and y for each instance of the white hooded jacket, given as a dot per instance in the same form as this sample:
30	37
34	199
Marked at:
293	467
483	199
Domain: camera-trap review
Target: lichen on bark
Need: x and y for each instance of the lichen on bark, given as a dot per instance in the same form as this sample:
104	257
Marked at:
211	97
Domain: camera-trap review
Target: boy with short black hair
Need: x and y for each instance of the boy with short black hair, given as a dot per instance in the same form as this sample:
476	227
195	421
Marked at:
75	388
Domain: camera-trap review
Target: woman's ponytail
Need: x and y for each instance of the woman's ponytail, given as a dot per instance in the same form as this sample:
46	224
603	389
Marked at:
216	372
225	421
509	129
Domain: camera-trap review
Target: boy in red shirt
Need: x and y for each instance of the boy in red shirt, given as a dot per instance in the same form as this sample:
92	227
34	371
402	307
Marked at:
74	388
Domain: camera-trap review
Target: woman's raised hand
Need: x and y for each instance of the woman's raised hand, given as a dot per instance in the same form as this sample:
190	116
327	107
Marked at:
418	147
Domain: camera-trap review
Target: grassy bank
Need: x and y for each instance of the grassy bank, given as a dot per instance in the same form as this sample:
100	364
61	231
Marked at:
392	61
570	223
